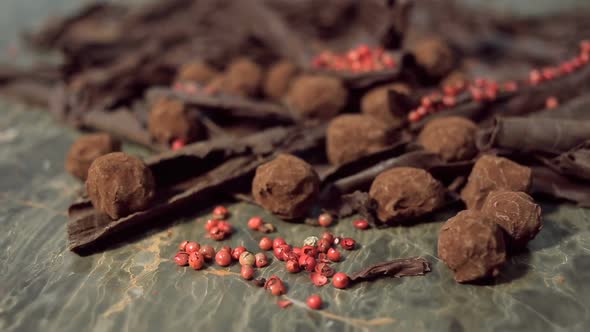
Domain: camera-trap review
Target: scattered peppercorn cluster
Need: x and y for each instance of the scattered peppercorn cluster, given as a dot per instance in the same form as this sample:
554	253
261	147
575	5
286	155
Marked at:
357	60
315	256
482	90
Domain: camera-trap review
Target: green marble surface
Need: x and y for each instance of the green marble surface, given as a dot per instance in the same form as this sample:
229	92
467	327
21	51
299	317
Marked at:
137	287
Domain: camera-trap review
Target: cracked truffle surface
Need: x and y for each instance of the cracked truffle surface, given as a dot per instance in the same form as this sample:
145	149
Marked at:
404	193
286	186
375	103
350	136
494	173
86	149
316	96
452	138
170	119
279	78
472	246
119	184
516	213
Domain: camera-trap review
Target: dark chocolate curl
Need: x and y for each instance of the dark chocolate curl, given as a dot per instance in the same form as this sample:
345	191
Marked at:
397	268
575	162
530	135
548	182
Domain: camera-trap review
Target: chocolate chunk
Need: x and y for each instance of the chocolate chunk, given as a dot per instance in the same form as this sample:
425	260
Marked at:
494	173
196	71
86	149
472	246
119	184
435	56
516	213
376	104
278	79
452	138
286	186
170	119
405	193
315	96
351	136
243	77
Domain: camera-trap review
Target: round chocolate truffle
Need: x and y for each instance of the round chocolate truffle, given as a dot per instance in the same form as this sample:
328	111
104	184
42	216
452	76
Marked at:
435	56
119	184
315	96
494	173
516	213
376	104
278	79
243	77
196	71
404	193
169	120
452	138
350	136
86	149
286	186
472	246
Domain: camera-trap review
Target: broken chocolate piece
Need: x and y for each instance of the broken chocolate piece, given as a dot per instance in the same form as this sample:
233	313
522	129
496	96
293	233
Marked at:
286	186
452	138
376	104
404	193
472	246
397	268
278	79
119	184
86	149
517	214
351	136
315	96
494	173
170	119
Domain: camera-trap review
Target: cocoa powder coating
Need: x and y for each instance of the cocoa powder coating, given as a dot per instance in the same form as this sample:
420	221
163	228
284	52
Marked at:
375	103
243	77
316	96
170	119
435	56
86	149
452	138
279	78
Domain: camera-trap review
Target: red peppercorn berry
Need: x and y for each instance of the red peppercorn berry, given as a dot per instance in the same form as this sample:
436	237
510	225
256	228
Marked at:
255	223
261	259
216	234
323	245
328	237
223	258
325	220
196	260
296	251
340	280
247	272
235	254
225	227
281	251
334	255
192	247
293	266
246	258
551	102
182	245
177	144
360	224
347	243
314	302
181	259
208	252
211	223
307	263
275	285
265	243
277	242
318	279
220	212
309	250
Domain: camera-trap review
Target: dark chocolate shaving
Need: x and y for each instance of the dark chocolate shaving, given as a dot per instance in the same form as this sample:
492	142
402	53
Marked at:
397	268
550	183
574	163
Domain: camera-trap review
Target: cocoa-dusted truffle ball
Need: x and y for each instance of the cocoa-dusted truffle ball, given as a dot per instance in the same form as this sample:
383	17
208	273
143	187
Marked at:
350	136
494	173
435	56
472	246
405	193
516	213
376	104
196	71
86	149
243	77
452	138
170	119
315	96
119	184
278	79
456	78
286	186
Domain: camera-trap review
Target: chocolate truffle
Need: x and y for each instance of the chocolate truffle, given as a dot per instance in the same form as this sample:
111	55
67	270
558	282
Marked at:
456	78
404	193
516	213
170	119
350	136
435	56
472	246
452	138
376	104
494	173
315	96
278	79
86	149
119	184
243	77
286	186
197	71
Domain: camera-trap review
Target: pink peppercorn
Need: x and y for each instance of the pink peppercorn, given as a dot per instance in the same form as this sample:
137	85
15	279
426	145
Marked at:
237	252
255	222
181	259
360	224
293	266
340	280
265	243
314	302
307	263
261	260
277	242
211	223
247	272
328	237
196	260
182	245
323	245
325	220
220	212
347	243
177	144
334	255
207	251
192	247
223	258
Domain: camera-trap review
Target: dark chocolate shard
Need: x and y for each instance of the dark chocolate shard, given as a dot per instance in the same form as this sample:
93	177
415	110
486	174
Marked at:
550	183
397	268
574	163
